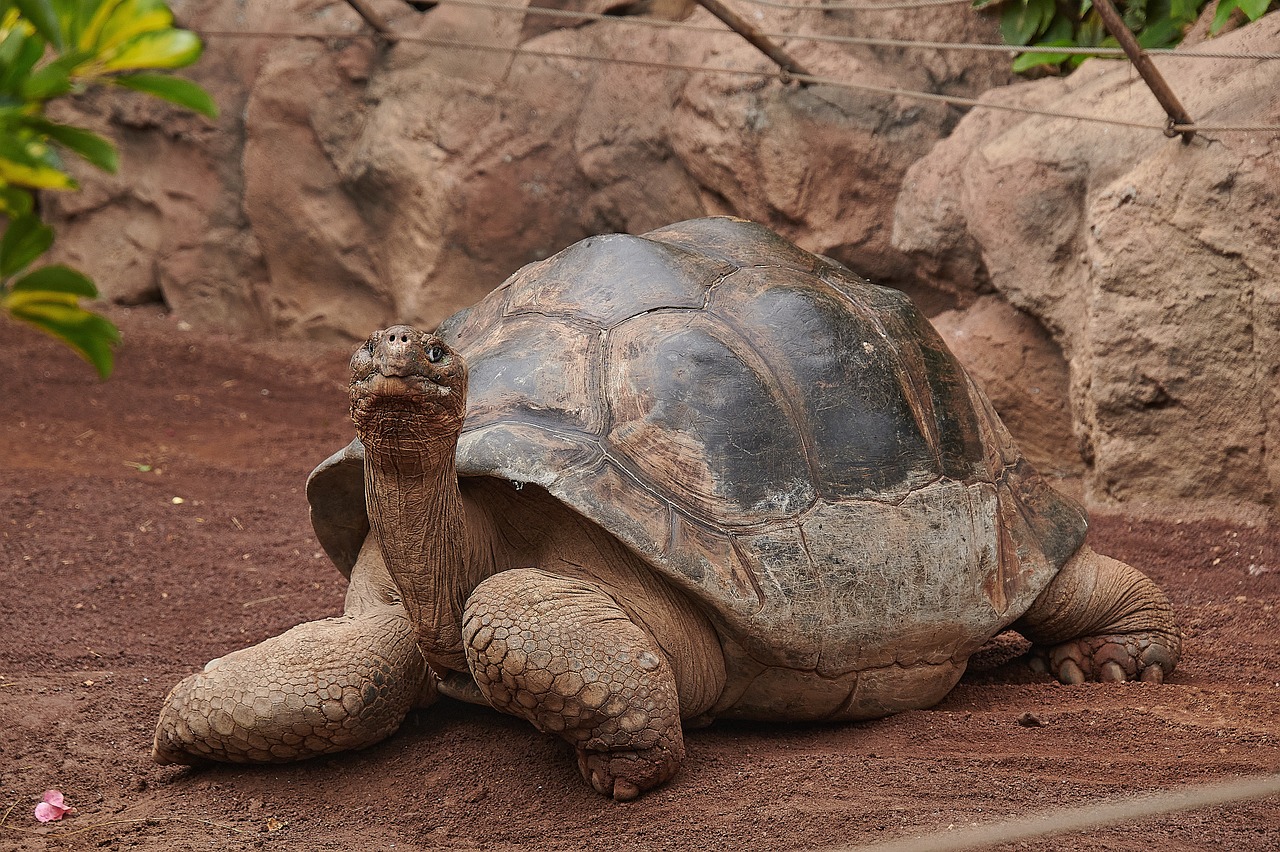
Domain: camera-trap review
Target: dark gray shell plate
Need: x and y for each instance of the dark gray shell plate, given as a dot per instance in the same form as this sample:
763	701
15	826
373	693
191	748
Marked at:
789	444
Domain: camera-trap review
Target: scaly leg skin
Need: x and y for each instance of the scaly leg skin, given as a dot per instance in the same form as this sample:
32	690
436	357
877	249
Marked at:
321	687
562	654
1103	620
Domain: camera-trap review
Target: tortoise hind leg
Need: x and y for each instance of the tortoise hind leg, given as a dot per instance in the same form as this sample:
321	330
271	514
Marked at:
1101	619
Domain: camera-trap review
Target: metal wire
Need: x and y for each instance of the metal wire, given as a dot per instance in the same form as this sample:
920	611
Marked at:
952	100
858	7
661	23
1082	817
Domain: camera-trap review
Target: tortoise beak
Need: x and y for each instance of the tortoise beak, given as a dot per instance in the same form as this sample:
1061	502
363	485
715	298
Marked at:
403	362
399	352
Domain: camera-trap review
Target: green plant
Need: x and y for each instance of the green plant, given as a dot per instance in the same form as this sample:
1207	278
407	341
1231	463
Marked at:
1075	23
51	49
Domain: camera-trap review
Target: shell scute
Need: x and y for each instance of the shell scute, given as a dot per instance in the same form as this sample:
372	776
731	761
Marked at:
693	411
628	276
863	428
737	242
531	368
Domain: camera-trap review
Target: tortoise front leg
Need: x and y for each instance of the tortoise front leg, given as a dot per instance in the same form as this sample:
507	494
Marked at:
321	687
564	655
1101	619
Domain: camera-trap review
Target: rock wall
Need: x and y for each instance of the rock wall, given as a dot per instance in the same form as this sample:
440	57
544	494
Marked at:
1153	264
348	185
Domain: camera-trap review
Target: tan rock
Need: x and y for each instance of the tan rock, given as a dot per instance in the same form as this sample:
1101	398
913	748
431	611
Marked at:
1023	373
1152	263
348	184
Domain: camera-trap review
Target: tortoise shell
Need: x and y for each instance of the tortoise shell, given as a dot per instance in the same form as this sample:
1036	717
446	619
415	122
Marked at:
790	445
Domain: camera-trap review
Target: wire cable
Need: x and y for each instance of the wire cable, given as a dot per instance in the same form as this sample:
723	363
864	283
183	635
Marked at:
858	7
952	100
1093	815
662	23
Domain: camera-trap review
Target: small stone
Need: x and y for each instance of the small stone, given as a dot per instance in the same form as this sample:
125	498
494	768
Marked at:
1027	720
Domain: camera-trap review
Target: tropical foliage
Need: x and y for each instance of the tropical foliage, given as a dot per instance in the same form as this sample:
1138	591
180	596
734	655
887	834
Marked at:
50	49
1075	23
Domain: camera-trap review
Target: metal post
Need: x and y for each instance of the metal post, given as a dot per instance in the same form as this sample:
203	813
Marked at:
757	39
1142	62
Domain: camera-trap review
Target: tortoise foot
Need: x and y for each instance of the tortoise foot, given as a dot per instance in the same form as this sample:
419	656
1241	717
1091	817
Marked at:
1113	658
562	654
624	775
321	687
1100	619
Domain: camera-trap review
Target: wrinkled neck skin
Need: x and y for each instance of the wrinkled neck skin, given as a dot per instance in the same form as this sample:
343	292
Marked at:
417	513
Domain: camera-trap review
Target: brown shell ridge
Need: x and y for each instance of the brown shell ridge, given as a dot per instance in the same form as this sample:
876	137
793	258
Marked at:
801	424
567	317
533	421
690	514
604	456
915	394
738	344
743	567
920	403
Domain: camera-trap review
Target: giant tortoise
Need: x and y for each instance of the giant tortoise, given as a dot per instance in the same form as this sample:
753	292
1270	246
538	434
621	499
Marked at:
655	481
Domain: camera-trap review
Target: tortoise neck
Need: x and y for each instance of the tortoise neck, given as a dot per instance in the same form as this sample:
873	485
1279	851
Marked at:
417	512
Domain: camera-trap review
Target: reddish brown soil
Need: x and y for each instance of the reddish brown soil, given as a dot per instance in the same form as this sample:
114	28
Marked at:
113	590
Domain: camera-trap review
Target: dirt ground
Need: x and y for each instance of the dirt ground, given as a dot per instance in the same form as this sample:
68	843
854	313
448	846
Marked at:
155	521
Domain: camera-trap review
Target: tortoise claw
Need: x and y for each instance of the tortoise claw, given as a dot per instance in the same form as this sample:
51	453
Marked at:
1114	658
1069	673
1111	673
1152	674
624	775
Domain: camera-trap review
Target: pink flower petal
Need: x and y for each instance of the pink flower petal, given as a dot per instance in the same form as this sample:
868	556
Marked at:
46	812
52	807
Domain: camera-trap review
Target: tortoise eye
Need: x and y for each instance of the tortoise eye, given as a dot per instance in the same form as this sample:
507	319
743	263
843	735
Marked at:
435	354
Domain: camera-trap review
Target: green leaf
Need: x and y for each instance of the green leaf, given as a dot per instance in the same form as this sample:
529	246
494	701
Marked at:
1091	31
126	20
1048	8
1135	14
72	15
56	278
1060	33
1023	20
24	240
176	89
1186	11
91	146
32	165
15	202
1220	17
19	53
163	49
1027	61
1253	9
1161	33
58	314
53	79
43	17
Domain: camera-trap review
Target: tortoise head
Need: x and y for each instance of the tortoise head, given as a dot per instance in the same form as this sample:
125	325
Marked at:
407	385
